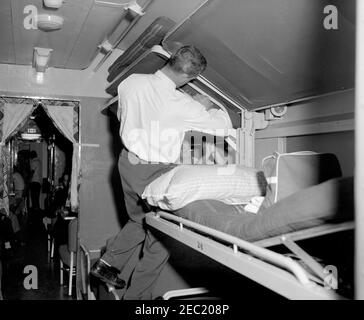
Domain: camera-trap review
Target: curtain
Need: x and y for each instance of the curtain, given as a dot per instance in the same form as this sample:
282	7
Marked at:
63	118
12	116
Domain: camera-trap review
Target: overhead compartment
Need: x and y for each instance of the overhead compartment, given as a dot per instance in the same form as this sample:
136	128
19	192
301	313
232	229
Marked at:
271	52
260	54
153	35
266	53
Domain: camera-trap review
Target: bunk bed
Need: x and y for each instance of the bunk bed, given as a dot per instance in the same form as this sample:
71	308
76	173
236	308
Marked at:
247	243
243	241
244	82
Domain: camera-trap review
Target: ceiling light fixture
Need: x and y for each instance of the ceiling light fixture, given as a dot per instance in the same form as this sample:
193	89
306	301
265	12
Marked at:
31	131
41	58
55	4
49	22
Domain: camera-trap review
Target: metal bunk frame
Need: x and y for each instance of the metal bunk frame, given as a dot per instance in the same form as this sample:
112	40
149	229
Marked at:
275	271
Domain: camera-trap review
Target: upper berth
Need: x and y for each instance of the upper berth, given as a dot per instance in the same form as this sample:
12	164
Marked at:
272	53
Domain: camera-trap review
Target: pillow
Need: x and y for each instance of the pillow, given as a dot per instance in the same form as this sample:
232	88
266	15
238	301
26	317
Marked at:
231	184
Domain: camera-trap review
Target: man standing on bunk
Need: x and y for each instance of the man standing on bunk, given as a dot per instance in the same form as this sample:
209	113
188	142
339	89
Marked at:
154	116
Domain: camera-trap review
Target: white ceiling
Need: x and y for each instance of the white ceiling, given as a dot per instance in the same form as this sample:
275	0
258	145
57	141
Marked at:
259	52
87	23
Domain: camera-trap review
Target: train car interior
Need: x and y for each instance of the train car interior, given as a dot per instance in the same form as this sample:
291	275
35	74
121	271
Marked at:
267	208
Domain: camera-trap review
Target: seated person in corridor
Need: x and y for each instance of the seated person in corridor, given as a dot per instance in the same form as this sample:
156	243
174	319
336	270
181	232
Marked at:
59	226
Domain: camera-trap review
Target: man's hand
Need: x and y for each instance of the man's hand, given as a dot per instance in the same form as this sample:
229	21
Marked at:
205	101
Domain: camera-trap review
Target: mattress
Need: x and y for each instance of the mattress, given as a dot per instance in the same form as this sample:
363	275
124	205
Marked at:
331	201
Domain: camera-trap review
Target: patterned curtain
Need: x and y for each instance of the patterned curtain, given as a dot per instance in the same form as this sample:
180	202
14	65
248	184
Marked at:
66	120
12	118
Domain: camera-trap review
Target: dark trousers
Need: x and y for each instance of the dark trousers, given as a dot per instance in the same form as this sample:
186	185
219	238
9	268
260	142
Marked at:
135	238
34	194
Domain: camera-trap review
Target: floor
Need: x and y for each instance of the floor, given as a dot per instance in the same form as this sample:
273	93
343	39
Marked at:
42	273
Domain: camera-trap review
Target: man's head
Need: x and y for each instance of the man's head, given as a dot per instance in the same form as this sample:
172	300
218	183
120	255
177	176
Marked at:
33	154
185	65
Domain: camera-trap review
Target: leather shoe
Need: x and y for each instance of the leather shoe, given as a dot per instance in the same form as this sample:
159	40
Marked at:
107	274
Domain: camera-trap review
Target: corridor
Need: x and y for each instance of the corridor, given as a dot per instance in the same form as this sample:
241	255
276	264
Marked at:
34	253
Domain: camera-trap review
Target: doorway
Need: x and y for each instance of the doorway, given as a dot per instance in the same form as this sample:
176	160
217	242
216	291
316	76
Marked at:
57	124
50	129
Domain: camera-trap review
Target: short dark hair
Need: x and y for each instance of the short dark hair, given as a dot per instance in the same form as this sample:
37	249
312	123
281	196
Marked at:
188	60
33	154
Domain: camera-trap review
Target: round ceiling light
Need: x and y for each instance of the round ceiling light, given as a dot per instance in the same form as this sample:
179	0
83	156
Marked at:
31	136
55	4
49	22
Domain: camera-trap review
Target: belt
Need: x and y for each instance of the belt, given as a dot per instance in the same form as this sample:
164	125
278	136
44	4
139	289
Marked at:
142	161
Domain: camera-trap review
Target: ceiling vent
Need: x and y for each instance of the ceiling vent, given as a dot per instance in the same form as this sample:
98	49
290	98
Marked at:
49	22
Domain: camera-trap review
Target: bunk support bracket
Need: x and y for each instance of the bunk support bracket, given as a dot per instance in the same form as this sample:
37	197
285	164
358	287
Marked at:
245	140
316	267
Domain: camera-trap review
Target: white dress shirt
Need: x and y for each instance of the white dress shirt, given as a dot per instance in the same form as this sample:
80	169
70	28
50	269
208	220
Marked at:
18	184
154	117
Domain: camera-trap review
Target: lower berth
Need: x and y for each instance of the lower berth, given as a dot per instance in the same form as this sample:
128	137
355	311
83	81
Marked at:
240	240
